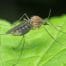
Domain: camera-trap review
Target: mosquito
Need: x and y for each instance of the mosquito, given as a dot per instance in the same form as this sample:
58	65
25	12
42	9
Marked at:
29	23
22	29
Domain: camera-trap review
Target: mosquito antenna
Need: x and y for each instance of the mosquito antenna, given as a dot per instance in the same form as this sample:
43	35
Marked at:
46	20
49	13
55	40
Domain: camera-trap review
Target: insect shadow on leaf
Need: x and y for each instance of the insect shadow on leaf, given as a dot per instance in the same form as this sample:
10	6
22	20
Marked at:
23	28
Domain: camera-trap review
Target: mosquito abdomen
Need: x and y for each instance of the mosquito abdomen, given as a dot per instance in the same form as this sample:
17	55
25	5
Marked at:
20	29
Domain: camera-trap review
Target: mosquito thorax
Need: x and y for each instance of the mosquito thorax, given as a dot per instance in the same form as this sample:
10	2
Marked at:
36	21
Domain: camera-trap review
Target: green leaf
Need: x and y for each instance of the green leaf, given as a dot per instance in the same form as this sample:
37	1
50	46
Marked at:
45	46
4	26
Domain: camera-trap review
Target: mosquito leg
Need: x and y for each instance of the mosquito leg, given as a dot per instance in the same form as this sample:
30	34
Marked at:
21	52
26	20
20	43
54	26
23	16
26	16
46	21
55	40
52	36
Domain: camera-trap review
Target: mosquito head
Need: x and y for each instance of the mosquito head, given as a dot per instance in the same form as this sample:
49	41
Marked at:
36	21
